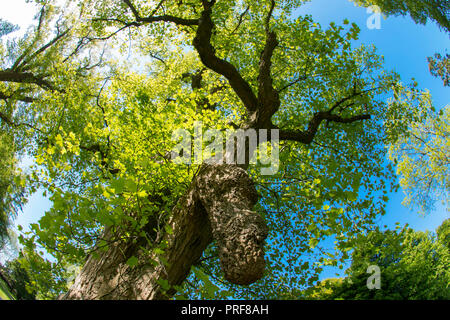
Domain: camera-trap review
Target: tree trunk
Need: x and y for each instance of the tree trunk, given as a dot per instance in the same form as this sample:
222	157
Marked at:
218	205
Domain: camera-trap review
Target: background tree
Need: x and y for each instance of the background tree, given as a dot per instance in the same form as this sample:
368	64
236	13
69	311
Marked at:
12	195
6	27
439	66
26	66
414	265
32	277
11	187
443	233
422	158
419	10
18	279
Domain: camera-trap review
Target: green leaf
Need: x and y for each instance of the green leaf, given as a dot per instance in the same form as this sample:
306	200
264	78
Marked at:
132	261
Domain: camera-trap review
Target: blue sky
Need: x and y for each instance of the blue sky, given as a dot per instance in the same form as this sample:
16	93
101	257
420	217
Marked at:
405	46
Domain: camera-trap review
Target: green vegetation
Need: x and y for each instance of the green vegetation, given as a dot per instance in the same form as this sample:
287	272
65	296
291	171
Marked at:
12	183
5	293
419	10
132	224
422	158
413	265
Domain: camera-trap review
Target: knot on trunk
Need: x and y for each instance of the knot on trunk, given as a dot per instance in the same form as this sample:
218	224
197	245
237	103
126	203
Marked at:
228	195
241	247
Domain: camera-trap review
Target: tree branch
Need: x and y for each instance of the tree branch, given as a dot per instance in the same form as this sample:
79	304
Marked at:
163	18
290	84
268	97
4	96
4	118
241	19
25	77
42	13
307	136
202	43
19	65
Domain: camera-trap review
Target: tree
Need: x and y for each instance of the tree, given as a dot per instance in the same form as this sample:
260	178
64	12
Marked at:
101	134
413	265
439	66
25	71
12	194
421	155
6	27
443	233
419	10
32	277
18	279
421	152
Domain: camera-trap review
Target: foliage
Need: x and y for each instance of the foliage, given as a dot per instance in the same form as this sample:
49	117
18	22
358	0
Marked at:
323	290
12	185
100	131
419	10
5	293
439	66
19	280
413	264
34	277
421	155
443	233
6	27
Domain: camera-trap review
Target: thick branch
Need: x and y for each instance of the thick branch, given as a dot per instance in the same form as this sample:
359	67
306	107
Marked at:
162	18
307	136
24	77
21	63
202	43
4	96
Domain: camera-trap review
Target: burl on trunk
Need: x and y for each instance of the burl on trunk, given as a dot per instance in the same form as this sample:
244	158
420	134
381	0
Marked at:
218	205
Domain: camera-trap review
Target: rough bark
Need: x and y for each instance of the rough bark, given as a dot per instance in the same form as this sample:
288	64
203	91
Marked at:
24	77
217	205
228	194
